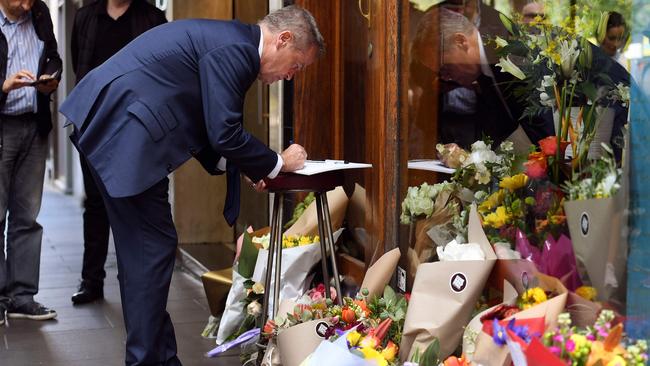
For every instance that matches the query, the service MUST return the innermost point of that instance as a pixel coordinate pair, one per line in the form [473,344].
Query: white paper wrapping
[234,312]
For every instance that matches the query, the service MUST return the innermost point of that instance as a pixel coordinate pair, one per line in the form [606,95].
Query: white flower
[258,288]
[569,53]
[547,82]
[508,66]
[500,42]
[545,100]
[263,240]
[481,154]
[460,252]
[254,309]
[503,251]
[507,146]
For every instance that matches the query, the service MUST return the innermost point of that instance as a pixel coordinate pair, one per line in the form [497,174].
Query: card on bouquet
[313,167]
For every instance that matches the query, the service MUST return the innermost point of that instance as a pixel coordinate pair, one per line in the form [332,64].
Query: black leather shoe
[86,295]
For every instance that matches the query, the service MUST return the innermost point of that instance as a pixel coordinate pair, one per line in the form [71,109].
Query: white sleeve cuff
[274,173]
[221,165]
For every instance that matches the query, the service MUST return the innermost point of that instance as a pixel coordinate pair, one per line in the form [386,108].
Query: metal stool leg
[330,234]
[323,243]
[278,258]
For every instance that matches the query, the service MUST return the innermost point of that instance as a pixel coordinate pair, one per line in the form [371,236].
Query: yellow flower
[579,340]
[353,338]
[532,297]
[494,200]
[498,218]
[258,288]
[304,240]
[373,355]
[389,352]
[587,292]
[617,361]
[513,183]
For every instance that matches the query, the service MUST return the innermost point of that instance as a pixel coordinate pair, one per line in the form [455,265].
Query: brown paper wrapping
[380,273]
[217,285]
[307,224]
[299,341]
[520,141]
[583,312]
[489,353]
[600,244]
[436,309]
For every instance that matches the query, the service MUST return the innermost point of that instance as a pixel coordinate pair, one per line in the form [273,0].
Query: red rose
[549,146]
[536,165]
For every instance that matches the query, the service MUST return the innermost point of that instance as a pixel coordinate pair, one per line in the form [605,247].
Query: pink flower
[555,350]
[548,146]
[570,346]
[536,165]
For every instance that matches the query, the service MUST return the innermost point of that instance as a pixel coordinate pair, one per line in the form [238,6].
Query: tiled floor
[93,334]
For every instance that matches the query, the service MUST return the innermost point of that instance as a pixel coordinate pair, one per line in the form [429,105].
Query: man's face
[532,10]
[461,60]
[283,60]
[17,7]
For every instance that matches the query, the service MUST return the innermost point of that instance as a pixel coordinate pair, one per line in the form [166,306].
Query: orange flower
[348,315]
[362,304]
[536,165]
[269,327]
[549,146]
[454,361]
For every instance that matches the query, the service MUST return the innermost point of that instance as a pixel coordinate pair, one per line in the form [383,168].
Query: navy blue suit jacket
[175,92]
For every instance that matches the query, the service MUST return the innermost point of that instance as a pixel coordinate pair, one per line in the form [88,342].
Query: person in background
[613,37]
[532,10]
[100,30]
[28,52]
[174,93]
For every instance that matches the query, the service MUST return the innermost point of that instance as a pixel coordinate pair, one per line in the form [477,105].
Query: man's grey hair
[300,23]
[451,23]
[438,25]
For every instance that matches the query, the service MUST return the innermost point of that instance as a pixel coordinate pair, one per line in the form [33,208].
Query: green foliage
[430,356]
[247,257]
[299,209]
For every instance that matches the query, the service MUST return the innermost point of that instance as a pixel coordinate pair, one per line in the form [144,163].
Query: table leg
[269,261]
[323,242]
[330,234]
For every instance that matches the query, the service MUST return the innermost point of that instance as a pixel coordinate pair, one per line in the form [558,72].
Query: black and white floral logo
[584,224]
[321,329]
[458,282]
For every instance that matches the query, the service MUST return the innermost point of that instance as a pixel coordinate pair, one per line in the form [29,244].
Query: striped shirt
[24,51]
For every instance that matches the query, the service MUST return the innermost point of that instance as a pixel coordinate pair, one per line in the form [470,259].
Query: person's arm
[225,74]
[53,62]
[74,43]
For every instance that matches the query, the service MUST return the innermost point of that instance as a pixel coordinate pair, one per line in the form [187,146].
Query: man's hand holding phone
[47,83]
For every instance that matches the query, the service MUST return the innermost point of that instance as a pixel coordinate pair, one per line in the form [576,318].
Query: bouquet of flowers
[557,69]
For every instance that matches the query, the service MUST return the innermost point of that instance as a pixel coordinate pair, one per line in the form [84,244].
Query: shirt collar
[485,66]
[260,48]
[20,20]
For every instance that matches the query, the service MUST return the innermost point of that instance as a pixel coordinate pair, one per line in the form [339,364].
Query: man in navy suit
[174,93]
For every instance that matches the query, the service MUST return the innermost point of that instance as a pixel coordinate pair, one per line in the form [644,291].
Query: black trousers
[145,245]
[96,232]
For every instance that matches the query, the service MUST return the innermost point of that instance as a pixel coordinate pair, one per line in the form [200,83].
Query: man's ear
[284,38]
[461,41]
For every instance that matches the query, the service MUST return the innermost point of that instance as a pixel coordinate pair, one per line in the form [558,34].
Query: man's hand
[294,158]
[18,80]
[259,186]
[48,86]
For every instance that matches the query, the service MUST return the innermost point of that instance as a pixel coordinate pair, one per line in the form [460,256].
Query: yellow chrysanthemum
[587,292]
[532,297]
[304,240]
[617,361]
[373,355]
[515,182]
[498,218]
[493,201]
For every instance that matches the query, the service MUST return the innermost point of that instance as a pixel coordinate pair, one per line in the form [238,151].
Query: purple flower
[498,333]
[520,330]
[555,350]
[570,345]
[558,338]
[591,337]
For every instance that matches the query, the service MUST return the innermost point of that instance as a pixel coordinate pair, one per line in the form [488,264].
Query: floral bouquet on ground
[372,327]
[595,213]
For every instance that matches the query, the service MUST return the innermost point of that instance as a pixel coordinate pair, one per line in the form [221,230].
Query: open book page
[320,166]
[431,165]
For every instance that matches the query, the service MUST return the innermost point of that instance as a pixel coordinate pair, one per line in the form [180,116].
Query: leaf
[389,296]
[589,90]
[248,257]
[431,356]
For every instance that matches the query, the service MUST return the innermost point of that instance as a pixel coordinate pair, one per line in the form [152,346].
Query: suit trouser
[145,245]
[22,169]
[96,232]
